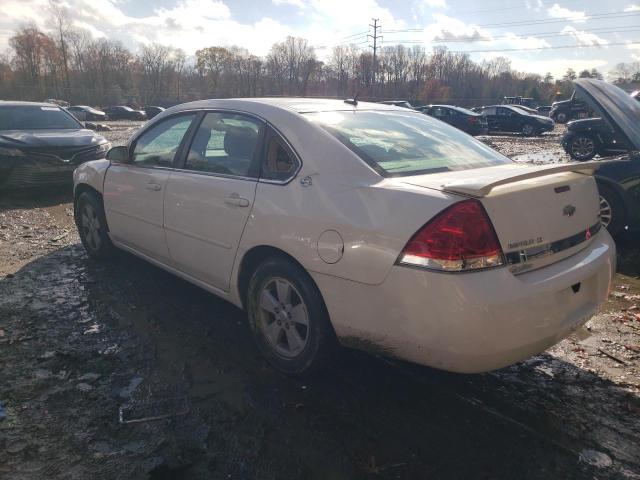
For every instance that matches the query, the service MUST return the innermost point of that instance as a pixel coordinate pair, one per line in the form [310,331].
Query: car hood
[614,105]
[50,138]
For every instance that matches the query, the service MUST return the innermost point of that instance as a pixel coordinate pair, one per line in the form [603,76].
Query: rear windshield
[20,117]
[401,144]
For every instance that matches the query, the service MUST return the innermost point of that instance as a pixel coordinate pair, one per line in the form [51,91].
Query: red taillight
[459,238]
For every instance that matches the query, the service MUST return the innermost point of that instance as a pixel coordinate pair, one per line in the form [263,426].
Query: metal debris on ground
[149,411]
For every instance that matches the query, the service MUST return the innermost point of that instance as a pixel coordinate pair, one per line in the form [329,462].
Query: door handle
[154,186]
[236,200]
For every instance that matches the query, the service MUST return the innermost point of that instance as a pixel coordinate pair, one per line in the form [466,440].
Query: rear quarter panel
[375,217]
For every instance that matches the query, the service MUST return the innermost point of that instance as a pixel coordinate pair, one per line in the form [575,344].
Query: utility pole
[375,37]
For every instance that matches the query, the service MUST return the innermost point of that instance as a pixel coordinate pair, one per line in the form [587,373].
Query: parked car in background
[398,103]
[41,144]
[288,208]
[461,118]
[152,110]
[525,101]
[508,118]
[544,110]
[85,113]
[567,110]
[122,112]
[617,130]
[530,111]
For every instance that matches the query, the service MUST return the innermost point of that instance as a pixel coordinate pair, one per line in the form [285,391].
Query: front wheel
[92,225]
[612,212]
[582,147]
[561,118]
[288,318]
[529,130]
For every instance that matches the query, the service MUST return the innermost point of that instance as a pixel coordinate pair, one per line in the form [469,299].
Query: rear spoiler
[477,187]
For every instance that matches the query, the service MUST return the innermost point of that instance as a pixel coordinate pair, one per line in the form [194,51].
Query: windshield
[402,144]
[33,117]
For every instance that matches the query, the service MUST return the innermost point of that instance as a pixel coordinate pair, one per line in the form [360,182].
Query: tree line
[65,62]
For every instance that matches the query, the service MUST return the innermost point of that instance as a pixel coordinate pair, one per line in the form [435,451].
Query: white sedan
[359,224]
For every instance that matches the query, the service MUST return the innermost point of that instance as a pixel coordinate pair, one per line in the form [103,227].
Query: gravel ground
[81,341]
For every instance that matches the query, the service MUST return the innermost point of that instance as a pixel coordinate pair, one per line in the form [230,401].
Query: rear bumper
[472,322]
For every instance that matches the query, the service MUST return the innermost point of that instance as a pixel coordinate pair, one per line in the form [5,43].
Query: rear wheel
[612,213]
[92,225]
[561,118]
[288,318]
[582,147]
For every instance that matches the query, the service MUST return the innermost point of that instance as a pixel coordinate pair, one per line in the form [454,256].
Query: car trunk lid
[541,214]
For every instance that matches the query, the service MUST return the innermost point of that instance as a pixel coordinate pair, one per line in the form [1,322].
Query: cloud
[632,8]
[449,29]
[557,11]
[293,3]
[434,3]
[582,37]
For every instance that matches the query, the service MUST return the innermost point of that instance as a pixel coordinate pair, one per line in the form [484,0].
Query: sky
[538,36]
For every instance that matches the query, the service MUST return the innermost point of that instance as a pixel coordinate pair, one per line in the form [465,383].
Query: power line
[557,47]
[595,16]
[524,35]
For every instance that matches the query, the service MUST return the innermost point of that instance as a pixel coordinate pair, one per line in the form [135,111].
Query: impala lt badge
[569,210]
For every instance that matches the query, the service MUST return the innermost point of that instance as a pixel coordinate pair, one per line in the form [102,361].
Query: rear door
[209,198]
[507,120]
[492,118]
[134,191]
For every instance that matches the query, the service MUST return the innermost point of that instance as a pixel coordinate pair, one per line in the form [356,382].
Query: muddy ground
[81,342]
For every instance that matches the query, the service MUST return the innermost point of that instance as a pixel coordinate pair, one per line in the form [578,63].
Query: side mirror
[119,154]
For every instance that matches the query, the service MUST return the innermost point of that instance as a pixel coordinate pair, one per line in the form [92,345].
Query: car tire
[288,318]
[529,130]
[582,147]
[561,118]
[92,225]
[612,211]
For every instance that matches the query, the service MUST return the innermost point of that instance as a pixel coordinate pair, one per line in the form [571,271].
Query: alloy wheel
[283,317]
[583,147]
[606,212]
[528,129]
[90,226]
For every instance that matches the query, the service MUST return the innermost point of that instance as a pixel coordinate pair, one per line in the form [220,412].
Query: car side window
[504,112]
[489,111]
[158,146]
[225,143]
[280,163]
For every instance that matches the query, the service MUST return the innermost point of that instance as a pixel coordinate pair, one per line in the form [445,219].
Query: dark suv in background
[567,110]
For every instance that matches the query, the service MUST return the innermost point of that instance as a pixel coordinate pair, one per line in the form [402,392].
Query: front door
[134,191]
[209,199]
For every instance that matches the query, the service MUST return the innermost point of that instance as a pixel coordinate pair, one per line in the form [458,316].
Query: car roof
[293,104]
[12,103]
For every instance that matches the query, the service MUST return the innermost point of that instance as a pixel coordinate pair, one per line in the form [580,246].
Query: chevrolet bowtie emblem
[569,210]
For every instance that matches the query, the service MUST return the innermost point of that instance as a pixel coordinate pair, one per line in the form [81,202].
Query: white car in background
[353,223]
